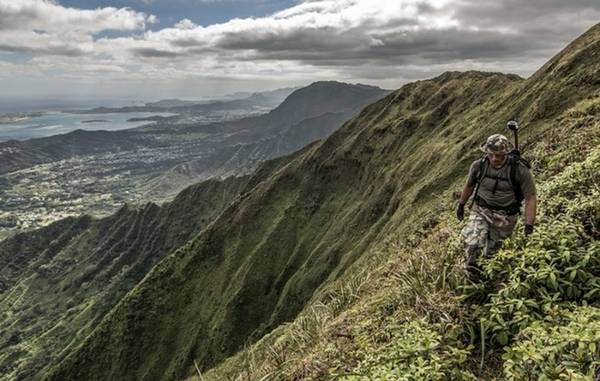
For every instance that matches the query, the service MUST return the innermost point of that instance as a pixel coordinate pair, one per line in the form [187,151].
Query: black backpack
[514,159]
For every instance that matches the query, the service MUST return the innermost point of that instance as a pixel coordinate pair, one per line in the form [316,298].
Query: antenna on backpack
[514,127]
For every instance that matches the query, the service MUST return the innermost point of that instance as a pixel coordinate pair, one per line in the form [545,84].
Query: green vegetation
[550,351]
[57,283]
[343,260]
[415,317]
[535,315]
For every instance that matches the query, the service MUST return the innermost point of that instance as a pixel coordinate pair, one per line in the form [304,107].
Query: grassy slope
[301,228]
[57,283]
[115,253]
[264,257]
[404,311]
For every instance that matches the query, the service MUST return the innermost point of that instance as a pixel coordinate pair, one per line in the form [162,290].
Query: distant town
[99,184]
[92,184]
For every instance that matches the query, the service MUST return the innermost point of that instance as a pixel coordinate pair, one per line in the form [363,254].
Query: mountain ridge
[317,254]
[311,216]
[381,321]
[152,164]
[308,114]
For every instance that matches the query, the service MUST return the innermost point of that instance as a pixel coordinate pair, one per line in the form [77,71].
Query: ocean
[57,122]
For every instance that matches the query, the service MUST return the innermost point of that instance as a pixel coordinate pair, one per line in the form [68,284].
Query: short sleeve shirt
[496,188]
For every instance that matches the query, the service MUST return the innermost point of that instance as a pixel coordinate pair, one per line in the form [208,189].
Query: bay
[56,122]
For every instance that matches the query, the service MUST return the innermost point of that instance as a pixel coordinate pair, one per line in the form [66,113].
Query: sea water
[58,122]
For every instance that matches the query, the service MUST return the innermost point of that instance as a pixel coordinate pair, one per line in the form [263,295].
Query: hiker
[501,180]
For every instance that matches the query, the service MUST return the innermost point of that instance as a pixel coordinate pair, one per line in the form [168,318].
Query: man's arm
[530,209]
[464,197]
[528,189]
[466,193]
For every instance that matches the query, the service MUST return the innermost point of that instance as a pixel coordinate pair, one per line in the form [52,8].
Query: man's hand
[460,211]
[528,229]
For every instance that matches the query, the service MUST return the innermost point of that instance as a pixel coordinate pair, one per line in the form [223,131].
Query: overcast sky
[149,49]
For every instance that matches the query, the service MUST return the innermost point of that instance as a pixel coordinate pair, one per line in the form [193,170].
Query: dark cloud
[187,42]
[324,39]
[309,40]
[525,14]
[501,32]
[55,50]
[13,20]
[547,22]
[153,53]
[399,48]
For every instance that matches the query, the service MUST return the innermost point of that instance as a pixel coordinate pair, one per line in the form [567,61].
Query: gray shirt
[496,188]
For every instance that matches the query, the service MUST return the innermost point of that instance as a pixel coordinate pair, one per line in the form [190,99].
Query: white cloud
[45,27]
[350,35]
[380,41]
[52,17]
[185,24]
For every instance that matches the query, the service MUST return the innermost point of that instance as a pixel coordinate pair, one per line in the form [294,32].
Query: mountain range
[35,151]
[114,253]
[95,172]
[372,198]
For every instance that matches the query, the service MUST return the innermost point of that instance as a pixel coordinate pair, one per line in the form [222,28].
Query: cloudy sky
[149,49]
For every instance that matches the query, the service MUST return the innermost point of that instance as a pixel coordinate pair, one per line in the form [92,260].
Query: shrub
[416,350]
[545,351]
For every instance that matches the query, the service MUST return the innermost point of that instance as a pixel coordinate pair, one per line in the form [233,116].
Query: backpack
[514,159]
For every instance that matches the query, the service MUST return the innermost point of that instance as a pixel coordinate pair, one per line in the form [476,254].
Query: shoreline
[11,118]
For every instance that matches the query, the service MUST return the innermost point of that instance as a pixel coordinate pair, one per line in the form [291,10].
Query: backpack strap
[515,161]
[481,172]
[514,168]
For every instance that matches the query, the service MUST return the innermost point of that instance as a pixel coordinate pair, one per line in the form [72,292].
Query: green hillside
[313,235]
[57,283]
[405,311]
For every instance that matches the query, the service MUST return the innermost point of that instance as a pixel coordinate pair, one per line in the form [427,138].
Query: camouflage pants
[485,231]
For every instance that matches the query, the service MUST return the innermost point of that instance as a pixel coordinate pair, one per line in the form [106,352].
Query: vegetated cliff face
[536,313]
[306,222]
[58,282]
[51,278]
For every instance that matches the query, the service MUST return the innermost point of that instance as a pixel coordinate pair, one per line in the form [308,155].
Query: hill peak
[472,74]
[581,55]
[325,97]
[324,84]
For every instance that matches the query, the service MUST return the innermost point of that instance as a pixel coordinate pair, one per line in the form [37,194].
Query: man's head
[497,148]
